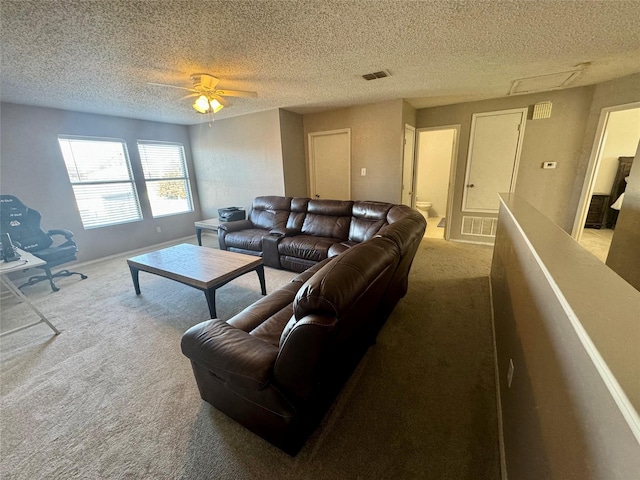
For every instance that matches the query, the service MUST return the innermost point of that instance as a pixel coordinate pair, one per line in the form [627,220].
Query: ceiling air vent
[376,75]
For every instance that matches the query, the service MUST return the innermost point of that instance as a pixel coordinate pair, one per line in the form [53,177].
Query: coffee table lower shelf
[206,269]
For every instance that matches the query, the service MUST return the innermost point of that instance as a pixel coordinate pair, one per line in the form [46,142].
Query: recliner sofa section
[277,366]
[296,233]
[245,236]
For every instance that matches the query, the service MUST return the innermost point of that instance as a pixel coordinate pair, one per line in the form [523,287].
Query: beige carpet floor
[112,396]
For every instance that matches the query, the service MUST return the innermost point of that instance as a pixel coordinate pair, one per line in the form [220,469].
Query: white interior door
[330,164]
[408,163]
[492,163]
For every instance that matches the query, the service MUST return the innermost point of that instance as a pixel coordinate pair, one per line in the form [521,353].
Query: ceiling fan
[209,98]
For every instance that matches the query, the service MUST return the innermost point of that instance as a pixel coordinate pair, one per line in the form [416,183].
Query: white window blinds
[100,174]
[166,177]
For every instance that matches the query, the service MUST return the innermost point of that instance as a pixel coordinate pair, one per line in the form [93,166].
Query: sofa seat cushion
[250,239]
[257,313]
[295,264]
[307,247]
[338,248]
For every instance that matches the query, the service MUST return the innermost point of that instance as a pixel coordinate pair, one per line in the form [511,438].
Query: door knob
[471,185]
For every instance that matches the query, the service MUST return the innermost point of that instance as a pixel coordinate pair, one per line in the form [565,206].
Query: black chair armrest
[235,226]
[231,354]
[284,232]
[68,235]
[60,231]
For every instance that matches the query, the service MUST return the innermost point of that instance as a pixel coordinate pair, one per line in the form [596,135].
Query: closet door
[492,163]
[330,164]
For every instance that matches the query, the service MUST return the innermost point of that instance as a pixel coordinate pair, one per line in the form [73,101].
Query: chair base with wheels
[50,276]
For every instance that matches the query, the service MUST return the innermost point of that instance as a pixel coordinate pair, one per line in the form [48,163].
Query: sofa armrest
[228,227]
[284,232]
[235,226]
[231,354]
[270,255]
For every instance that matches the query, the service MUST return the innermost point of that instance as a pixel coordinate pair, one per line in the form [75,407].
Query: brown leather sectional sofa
[296,233]
[277,366]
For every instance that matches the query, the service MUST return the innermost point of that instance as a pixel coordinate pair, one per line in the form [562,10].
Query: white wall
[623,134]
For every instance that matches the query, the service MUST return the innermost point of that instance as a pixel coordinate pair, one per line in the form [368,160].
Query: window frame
[150,180]
[130,181]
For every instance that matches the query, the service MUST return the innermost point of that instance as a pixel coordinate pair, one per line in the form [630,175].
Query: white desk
[27,260]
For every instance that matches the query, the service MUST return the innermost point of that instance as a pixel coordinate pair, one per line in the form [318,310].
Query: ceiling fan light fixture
[216,106]
[201,105]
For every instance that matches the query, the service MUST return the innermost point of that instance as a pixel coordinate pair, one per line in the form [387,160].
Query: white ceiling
[98,55]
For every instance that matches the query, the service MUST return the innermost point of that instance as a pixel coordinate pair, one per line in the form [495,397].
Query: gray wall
[32,169]
[377,135]
[293,161]
[409,114]
[567,138]
[624,253]
[608,94]
[237,159]
[557,139]
[570,327]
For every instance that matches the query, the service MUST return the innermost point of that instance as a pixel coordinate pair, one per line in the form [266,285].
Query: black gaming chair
[23,226]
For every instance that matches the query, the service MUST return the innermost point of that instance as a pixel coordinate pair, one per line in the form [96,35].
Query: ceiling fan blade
[223,102]
[171,86]
[236,93]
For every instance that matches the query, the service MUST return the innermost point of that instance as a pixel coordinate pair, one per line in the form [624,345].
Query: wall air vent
[376,75]
[481,226]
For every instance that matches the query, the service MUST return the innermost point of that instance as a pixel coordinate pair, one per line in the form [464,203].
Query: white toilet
[424,206]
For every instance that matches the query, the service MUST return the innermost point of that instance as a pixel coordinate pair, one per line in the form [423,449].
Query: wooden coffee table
[204,268]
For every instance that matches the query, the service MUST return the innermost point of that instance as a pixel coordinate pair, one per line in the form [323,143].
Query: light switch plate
[549,164]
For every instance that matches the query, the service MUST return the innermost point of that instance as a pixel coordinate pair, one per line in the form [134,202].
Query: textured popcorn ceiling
[97,56]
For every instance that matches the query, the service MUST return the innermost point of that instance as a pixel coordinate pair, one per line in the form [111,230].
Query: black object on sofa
[296,233]
[23,226]
[277,366]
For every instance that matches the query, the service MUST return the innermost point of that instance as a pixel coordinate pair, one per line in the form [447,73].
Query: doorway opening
[436,151]
[617,138]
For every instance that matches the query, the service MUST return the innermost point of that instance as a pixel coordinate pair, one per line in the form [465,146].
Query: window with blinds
[100,174]
[166,177]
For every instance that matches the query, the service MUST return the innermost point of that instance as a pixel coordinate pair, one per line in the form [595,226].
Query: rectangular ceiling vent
[376,75]
[544,83]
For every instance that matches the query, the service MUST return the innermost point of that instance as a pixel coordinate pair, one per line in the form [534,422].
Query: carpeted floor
[112,396]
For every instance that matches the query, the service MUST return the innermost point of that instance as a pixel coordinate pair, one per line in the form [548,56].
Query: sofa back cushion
[367,218]
[328,218]
[270,212]
[298,212]
[348,286]
[331,311]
